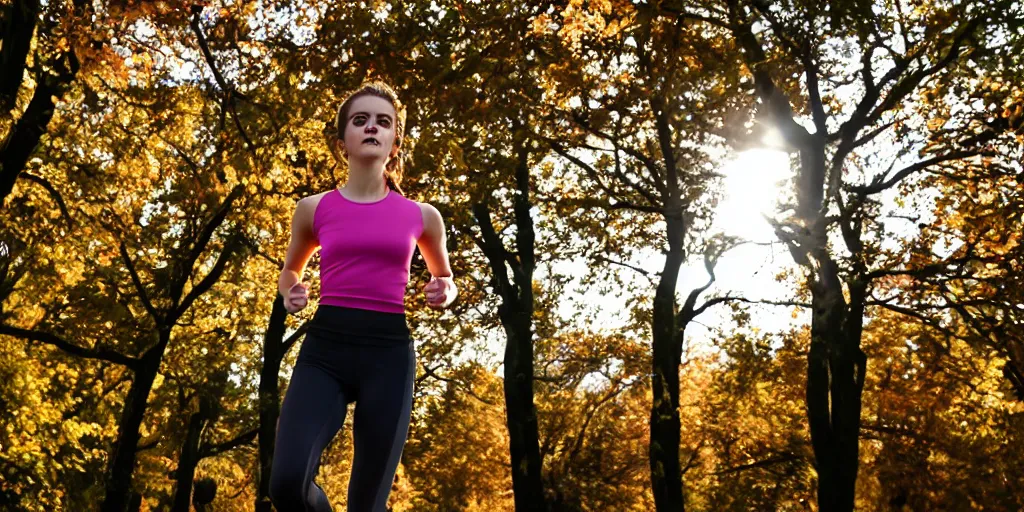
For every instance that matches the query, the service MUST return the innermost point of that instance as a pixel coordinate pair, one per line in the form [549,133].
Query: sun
[754,183]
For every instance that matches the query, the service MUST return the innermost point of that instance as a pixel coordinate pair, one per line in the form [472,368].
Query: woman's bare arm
[433,242]
[301,247]
[441,290]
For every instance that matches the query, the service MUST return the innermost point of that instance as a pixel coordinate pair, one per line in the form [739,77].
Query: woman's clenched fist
[297,297]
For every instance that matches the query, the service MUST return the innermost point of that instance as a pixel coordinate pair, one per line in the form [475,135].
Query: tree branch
[229,92]
[686,15]
[429,372]
[138,284]
[596,176]
[233,244]
[769,302]
[905,86]
[606,259]
[178,283]
[759,464]
[778,105]
[879,183]
[19,25]
[871,135]
[287,344]
[53,193]
[210,450]
[494,250]
[65,345]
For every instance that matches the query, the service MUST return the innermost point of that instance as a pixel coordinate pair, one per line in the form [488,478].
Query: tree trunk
[122,463]
[521,413]
[516,314]
[17,27]
[270,398]
[835,381]
[663,452]
[135,502]
[1013,373]
[1013,369]
[192,450]
[18,145]
[24,137]
[188,460]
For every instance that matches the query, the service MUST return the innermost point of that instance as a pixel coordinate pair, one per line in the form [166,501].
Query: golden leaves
[543,25]
[936,123]
[578,21]
[455,151]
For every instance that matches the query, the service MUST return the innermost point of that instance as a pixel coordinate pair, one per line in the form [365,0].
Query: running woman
[358,347]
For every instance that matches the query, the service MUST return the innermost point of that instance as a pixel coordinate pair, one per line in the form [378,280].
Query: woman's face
[370,129]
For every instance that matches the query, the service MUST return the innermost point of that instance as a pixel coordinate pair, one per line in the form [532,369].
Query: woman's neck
[365,183]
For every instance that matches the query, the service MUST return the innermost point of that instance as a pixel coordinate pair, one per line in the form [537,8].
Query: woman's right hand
[297,298]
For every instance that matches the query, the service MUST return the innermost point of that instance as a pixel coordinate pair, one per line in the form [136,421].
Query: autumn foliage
[153,152]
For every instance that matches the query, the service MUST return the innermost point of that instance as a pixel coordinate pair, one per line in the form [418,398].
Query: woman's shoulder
[315,198]
[426,208]
[307,206]
[310,202]
[432,221]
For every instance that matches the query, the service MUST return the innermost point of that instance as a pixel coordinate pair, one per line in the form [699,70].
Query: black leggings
[349,355]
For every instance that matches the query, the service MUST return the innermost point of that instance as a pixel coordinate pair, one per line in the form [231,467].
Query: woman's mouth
[371,140]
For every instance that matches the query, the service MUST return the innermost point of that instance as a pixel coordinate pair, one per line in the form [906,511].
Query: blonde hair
[394,170]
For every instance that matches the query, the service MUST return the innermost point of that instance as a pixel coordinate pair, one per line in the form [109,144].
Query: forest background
[725,255]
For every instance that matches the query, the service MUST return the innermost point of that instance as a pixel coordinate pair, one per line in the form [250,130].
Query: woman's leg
[312,413]
[381,425]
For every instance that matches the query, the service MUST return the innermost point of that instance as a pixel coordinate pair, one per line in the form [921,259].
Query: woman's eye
[359,121]
[385,123]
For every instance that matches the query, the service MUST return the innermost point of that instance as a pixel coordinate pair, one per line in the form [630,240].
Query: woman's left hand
[440,292]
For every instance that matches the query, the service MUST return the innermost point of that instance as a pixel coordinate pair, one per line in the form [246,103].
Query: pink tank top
[365,250]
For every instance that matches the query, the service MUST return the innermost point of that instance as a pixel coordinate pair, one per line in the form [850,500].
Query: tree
[57,63]
[458,457]
[895,54]
[144,234]
[635,70]
[755,438]
[165,291]
[592,404]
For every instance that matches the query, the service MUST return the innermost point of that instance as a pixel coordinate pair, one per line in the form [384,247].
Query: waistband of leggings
[362,326]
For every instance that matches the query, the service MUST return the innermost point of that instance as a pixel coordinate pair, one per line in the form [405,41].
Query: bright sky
[753,183]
